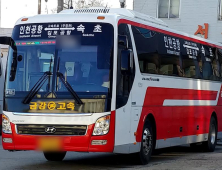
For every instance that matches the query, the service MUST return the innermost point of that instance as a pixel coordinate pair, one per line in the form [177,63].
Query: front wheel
[54,156]
[210,144]
[147,144]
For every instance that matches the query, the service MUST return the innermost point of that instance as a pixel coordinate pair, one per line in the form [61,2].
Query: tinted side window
[170,65]
[146,45]
[163,54]
[191,67]
[151,57]
[217,65]
[207,69]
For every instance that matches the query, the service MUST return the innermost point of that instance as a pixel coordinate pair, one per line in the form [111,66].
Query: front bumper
[69,143]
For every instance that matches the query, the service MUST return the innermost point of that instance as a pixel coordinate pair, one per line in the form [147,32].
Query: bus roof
[117,11]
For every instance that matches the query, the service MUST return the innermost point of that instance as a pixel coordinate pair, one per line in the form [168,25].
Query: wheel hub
[213,134]
[147,141]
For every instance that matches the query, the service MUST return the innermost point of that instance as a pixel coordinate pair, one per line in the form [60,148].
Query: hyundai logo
[50,130]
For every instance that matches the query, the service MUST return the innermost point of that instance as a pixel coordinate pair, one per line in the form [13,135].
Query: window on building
[220,10]
[168,8]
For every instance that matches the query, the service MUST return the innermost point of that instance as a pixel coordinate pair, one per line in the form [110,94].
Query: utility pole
[60,5]
[71,7]
[122,3]
[39,6]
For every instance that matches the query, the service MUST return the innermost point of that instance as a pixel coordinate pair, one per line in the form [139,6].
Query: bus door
[125,77]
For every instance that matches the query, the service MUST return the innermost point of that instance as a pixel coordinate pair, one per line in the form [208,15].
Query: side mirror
[5,40]
[8,41]
[126,61]
[123,41]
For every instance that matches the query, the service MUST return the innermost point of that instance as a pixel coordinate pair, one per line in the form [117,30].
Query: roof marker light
[100,17]
[24,19]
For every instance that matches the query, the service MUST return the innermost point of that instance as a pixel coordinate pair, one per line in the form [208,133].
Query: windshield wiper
[69,87]
[49,77]
[39,84]
[37,87]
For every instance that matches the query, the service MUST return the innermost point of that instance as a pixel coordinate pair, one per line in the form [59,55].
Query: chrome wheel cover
[213,134]
[147,141]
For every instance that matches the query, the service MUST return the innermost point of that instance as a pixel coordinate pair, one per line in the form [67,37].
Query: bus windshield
[81,52]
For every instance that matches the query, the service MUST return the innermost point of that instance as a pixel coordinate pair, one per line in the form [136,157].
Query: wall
[192,14]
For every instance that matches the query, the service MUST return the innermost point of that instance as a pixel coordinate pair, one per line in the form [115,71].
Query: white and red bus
[109,80]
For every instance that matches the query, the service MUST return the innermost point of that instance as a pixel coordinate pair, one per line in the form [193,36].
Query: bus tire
[54,156]
[147,142]
[210,144]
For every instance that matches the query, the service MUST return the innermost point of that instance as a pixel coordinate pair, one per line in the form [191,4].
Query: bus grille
[75,130]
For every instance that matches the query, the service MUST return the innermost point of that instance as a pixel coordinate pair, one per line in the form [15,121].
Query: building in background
[4,48]
[197,17]
[4,32]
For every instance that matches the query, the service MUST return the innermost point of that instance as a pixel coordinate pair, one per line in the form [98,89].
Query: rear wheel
[210,144]
[54,156]
[147,144]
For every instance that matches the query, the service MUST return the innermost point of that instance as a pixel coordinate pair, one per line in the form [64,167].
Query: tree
[78,4]
[54,10]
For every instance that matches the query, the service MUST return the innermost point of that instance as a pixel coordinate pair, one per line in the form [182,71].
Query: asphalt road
[166,159]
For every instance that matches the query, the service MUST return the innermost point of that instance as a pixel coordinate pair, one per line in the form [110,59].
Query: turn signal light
[7,140]
[99,142]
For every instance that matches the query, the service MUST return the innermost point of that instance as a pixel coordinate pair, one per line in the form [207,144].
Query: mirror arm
[12,44]
[8,41]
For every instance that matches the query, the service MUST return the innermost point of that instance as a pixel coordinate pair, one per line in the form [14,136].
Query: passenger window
[207,69]
[204,63]
[216,70]
[149,63]
[170,65]
[191,68]
[147,49]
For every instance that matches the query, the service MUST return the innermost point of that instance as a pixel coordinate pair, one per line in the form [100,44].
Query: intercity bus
[109,80]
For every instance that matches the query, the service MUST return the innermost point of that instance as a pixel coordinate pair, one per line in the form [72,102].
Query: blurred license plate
[49,144]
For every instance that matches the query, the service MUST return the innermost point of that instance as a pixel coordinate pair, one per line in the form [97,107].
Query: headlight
[102,126]
[6,126]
